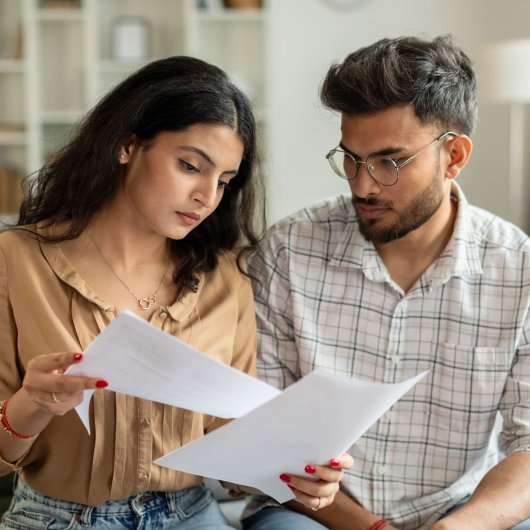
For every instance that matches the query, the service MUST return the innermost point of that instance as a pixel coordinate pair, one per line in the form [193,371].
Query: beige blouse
[46,307]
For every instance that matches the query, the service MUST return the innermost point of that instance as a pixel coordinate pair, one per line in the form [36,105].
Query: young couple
[150,208]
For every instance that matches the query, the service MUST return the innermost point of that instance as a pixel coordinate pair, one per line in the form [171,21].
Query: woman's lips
[188,218]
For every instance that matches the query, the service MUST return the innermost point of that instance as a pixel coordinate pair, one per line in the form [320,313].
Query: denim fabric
[523,525]
[276,518]
[188,509]
[272,518]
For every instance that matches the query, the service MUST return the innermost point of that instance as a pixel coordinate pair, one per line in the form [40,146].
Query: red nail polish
[285,477]
[334,463]
[78,356]
[309,469]
[102,384]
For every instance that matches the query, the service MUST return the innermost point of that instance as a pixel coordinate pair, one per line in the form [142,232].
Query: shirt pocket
[466,386]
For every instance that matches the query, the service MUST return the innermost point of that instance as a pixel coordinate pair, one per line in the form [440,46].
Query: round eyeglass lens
[343,164]
[383,169]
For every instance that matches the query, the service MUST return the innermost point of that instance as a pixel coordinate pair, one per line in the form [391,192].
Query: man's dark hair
[434,76]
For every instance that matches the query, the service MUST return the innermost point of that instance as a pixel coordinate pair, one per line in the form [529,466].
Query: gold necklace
[144,303]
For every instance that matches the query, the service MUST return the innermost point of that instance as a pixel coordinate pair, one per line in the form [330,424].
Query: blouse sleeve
[244,349]
[10,377]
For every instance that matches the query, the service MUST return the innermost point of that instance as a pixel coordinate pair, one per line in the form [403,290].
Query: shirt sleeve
[277,355]
[515,401]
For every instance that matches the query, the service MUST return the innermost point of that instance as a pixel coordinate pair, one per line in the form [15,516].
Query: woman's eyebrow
[199,152]
[207,157]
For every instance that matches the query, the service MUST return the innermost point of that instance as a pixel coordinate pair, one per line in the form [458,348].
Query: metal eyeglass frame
[397,167]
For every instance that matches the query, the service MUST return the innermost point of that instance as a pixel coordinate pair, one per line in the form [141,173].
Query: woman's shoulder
[18,237]
[229,268]
[227,264]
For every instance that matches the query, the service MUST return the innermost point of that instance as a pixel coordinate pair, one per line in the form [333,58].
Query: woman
[141,211]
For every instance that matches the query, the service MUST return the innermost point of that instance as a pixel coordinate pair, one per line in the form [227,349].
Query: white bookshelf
[66,63]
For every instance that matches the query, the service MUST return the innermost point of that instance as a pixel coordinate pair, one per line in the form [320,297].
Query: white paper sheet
[140,360]
[312,421]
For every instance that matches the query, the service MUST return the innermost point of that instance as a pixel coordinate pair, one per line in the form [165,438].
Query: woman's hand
[46,392]
[316,494]
[50,389]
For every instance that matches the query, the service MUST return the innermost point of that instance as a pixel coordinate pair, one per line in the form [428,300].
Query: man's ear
[458,151]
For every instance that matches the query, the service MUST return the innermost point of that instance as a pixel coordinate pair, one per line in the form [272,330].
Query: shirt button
[163,313]
[380,469]
[146,422]
[396,358]
[143,475]
[389,415]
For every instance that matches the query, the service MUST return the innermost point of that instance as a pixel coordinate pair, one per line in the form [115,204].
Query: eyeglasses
[382,169]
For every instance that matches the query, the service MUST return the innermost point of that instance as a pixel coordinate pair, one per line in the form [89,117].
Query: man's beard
[420,209]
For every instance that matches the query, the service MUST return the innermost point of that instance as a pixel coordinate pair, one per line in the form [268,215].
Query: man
[402,276]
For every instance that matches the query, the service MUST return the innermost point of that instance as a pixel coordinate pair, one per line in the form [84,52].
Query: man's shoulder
[490,231]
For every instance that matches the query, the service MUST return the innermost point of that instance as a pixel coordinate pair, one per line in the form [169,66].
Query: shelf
[49,14]
[108,66]
[64,63]
[61,117]
[12,66]
[16,138]
[231,15]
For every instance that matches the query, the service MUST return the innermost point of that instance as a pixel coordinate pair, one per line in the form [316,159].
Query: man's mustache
[372,201]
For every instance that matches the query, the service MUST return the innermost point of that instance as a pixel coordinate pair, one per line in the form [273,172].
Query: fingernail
[309,469]
[102,384]
[334,463]
[78,356]
[285,477]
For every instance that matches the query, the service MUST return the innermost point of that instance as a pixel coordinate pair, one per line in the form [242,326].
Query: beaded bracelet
[379,524]
[7,428]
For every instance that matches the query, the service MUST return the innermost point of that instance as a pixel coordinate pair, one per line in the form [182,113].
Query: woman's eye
[188,167]
[223,185]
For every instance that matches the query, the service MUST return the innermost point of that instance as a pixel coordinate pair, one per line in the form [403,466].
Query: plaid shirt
[325,300]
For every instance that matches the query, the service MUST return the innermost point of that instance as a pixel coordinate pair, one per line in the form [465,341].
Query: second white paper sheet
[312,421]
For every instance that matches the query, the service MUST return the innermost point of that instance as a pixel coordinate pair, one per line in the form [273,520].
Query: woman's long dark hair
[166,95]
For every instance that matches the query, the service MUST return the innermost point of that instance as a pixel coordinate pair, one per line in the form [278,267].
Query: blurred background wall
[307,36]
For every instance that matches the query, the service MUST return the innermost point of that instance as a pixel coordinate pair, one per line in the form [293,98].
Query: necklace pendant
[147,303]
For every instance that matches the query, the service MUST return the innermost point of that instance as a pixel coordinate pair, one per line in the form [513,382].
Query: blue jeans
[277,518]
[187,509]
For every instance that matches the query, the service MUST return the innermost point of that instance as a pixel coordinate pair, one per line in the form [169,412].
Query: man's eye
[187,166]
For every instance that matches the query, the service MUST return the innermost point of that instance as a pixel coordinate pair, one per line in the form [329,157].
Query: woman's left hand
[316,494]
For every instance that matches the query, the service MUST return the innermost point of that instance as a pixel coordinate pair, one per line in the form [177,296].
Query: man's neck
[409,257]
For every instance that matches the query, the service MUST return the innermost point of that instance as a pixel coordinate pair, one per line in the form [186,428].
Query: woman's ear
[123,158]
[459,151]
[126,149]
